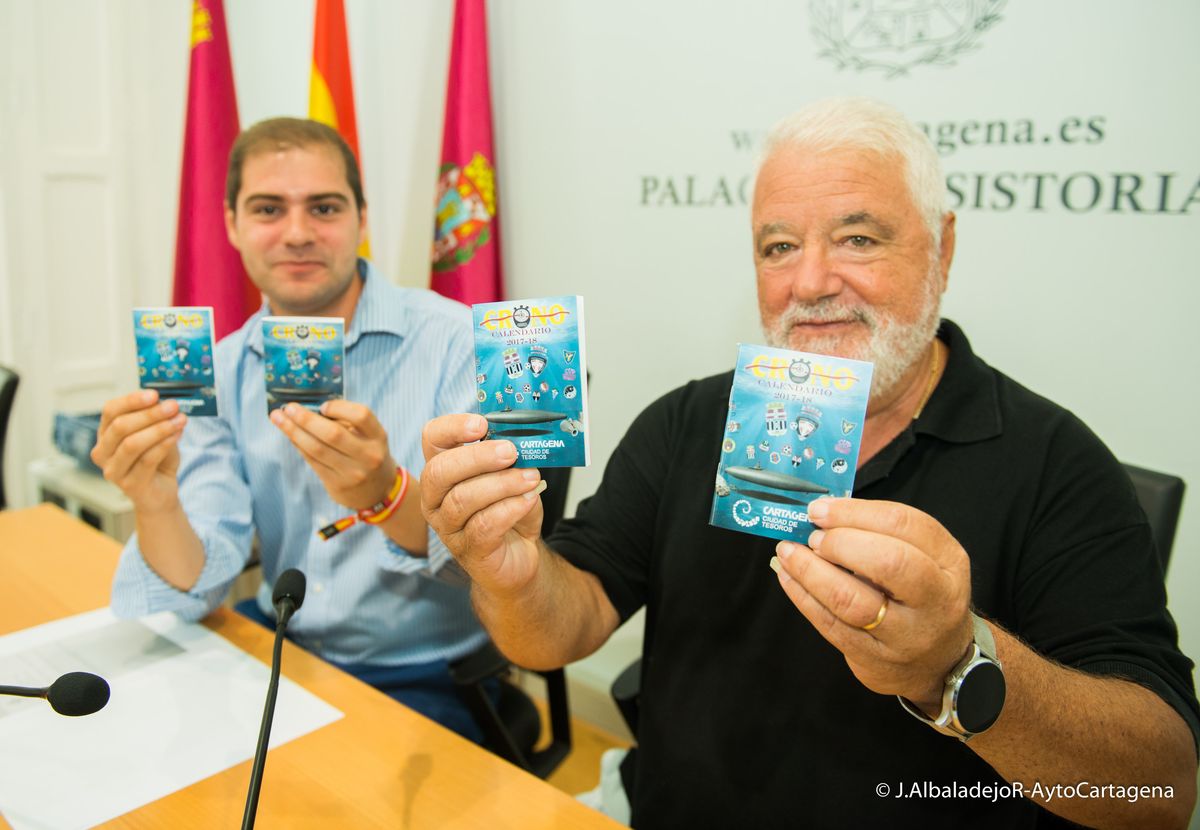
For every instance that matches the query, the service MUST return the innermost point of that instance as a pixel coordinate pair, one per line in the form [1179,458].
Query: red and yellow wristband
[378,513]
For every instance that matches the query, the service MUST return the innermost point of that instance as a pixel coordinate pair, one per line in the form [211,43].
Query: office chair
[511,725]
[1161,496]
[625,690]
[8,392]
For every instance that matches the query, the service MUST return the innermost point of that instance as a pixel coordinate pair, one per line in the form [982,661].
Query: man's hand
[346,447]
[866,553]
[137,448]
[487,512]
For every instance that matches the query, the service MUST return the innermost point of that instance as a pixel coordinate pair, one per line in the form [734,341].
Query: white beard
[894,347]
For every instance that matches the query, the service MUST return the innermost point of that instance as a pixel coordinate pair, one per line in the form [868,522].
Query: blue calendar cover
[175,356]
[531,373]
[792,435]
[303,359]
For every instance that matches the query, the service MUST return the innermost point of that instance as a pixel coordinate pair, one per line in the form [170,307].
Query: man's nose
[815,275]
[297,228]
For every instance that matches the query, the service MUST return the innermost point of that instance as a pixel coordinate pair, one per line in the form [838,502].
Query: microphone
[288,595]
[287,598]
[74,694]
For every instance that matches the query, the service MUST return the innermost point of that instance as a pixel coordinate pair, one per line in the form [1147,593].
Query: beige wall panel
[73,77]
[80,283]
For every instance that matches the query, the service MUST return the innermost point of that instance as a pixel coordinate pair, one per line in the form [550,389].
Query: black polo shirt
[750,719]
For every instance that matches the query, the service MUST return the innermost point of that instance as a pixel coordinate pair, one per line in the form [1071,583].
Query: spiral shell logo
[895,35]
[742,506]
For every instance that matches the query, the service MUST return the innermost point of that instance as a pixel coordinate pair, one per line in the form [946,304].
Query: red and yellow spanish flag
[208,270]
[331,90]
[466,237]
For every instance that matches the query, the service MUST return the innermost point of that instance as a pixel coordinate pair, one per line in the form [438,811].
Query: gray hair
[872,126]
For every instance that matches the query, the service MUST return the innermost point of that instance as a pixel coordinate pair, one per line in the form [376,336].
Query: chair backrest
[626,692]
[8,392]
[1161,496]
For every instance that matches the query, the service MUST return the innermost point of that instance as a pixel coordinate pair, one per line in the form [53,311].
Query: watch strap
[982,649]
[984,638]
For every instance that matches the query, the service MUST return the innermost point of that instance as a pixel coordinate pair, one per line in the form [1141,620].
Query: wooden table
[382,765]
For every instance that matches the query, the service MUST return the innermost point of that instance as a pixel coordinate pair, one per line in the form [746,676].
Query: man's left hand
[890,588]
[346,446]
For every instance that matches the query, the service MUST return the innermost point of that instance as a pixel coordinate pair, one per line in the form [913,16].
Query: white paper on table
[186,703]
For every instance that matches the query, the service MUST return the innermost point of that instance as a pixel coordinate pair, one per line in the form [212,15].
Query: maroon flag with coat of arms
[208,270]
[466,239]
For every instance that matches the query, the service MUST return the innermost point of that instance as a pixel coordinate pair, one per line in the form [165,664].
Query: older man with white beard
[992,580]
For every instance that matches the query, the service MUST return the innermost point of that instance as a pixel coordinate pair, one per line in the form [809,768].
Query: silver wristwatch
[974,694]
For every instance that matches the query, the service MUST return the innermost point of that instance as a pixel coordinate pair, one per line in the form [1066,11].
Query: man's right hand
[137,447]
[486,511]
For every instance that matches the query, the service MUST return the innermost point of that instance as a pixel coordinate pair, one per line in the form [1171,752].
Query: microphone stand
[264,733]
[287,597]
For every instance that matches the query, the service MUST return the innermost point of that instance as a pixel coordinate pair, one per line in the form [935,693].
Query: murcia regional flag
[466,238]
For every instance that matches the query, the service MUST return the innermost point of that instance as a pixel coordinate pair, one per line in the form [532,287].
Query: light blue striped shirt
[409,357]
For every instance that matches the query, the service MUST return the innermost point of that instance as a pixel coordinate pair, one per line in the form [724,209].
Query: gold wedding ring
[878,617]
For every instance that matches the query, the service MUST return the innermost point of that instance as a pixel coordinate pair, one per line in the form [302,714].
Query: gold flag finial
[201,24]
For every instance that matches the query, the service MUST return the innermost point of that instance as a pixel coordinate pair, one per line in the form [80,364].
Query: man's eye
[777,248]
[267,210]
[325,210]
[858,241]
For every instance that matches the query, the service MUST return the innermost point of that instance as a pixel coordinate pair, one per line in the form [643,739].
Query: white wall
[66,185]
[597,102]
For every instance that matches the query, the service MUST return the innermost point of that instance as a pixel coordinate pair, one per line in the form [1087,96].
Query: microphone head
[290,585]
[78,693]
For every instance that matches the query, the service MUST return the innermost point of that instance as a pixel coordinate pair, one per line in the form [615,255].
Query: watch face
[980,697]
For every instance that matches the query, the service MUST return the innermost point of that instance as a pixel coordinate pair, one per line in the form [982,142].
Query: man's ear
[230,224]
[946,254]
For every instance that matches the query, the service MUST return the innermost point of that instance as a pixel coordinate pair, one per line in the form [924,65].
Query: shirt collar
[372,314]
[965,405]
[964,408]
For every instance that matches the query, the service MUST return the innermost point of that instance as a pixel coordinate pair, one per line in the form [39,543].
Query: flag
[330,88]
[208,270]
[466,237]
